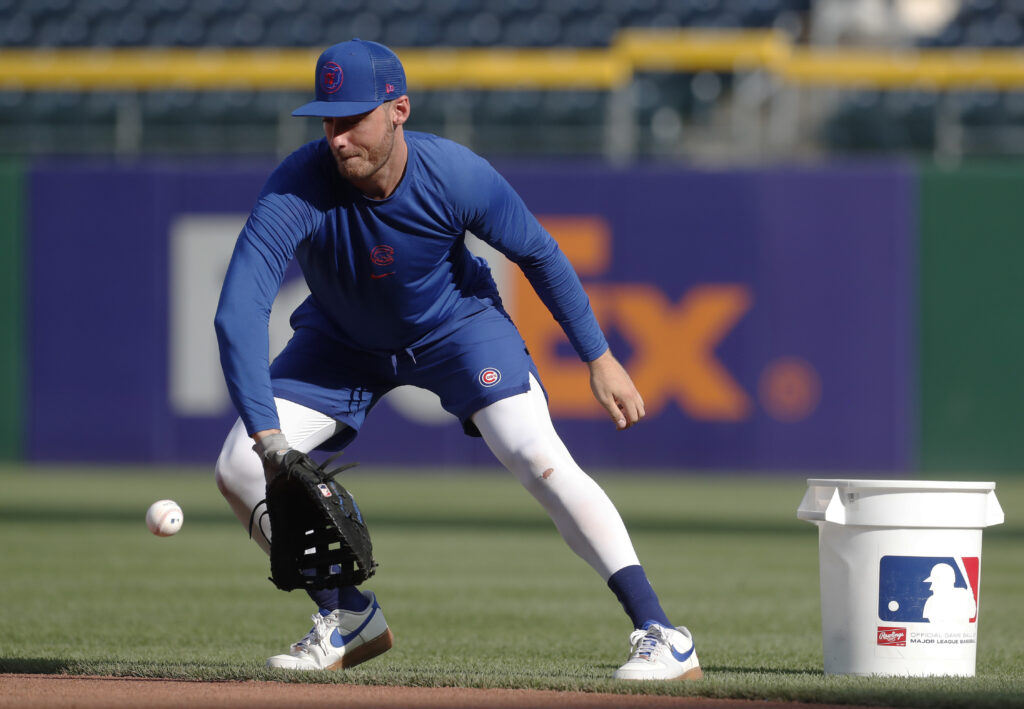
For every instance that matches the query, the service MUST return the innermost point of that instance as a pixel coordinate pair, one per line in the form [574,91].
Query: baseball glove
[318,538]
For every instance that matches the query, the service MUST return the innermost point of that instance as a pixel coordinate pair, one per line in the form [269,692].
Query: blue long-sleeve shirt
[384,275]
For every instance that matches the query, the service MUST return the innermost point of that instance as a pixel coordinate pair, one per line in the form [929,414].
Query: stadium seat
[541,30]
[303,29]
[530,23]
[1013,106]
[53,106]
[12,106]
[1006,30]
[165,7]
[18,31]
[245,30]
[120,31]
[187,30]
[979,108]
[756,13]
[590,31]
[865,120]
[912,115]
[411,31]
[101,106]
[168,106]
[860,124]
[365,25]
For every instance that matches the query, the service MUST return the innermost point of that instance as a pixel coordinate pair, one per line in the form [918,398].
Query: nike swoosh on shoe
[339,640]
[680,656]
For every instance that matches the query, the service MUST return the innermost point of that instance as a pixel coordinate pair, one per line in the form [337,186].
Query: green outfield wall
[972,319]
[12,268]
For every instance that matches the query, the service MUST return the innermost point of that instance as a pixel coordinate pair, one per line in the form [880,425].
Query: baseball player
[376,217]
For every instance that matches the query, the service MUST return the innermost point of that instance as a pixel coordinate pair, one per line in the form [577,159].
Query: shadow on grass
[124,668]
[33,665]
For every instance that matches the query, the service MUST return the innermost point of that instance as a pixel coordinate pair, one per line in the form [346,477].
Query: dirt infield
[60,691]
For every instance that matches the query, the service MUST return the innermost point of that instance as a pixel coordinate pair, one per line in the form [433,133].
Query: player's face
[361,144]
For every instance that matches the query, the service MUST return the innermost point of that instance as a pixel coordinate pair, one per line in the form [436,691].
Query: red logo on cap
[331,77]
[389,88]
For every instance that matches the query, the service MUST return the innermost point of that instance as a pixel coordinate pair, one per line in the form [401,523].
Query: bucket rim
[922,485]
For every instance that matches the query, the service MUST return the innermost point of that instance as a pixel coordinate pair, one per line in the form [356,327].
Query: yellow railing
[633,51]
[745,50]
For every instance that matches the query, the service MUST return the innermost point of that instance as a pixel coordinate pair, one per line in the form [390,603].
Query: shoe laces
[645,643]
[316,634]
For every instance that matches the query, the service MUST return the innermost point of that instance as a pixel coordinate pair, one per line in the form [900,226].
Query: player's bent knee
[224,477]
[530,461]
[237,465]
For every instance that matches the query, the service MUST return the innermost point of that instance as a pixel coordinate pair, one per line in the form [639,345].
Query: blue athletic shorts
[480,362]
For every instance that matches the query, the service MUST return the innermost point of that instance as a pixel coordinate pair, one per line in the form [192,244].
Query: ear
[400,111]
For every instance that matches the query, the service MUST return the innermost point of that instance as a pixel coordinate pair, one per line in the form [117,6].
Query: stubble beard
[365,166]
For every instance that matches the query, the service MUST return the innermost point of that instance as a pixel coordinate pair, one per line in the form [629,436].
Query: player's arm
[559,288]
[503,220]
[261,256]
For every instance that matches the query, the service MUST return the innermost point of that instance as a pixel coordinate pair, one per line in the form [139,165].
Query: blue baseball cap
[354,77]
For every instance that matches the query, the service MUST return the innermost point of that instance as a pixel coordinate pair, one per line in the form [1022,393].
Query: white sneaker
[657,652]
[339,639]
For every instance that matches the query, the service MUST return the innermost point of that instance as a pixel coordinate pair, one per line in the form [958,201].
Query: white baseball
[164,518]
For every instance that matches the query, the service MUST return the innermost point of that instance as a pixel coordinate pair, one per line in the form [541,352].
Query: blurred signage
[765,316]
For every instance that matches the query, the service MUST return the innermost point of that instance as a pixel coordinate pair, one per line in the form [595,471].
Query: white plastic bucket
[900,564]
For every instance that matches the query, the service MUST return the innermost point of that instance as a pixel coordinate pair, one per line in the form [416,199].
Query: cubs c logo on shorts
[489,377]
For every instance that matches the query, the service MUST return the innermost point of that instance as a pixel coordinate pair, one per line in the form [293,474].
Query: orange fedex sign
[673,343]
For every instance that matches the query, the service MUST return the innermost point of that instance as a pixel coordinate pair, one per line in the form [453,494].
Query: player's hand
[270,445]
[615,391]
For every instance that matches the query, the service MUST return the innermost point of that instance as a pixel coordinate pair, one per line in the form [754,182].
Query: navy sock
[351,598]
[347,598]
[637,596]
[325,598]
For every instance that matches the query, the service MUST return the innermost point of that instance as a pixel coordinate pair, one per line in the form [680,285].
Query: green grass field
[477,586]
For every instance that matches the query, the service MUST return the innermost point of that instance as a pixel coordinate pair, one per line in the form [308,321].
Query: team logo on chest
[382,255]
[489,377]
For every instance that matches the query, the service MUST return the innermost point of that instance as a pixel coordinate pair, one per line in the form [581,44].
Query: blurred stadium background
[798,219]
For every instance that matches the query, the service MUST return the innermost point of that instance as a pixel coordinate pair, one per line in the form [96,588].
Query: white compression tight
[239,470]
[519,432]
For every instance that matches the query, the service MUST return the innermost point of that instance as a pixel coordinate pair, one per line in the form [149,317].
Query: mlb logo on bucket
[895,637]
[928,589]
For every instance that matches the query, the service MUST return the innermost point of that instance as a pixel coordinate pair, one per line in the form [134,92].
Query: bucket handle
[815,507]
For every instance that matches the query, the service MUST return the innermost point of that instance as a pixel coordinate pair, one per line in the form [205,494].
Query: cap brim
[335,109]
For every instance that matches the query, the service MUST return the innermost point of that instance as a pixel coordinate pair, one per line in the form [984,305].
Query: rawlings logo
[331,77]
[896,637]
